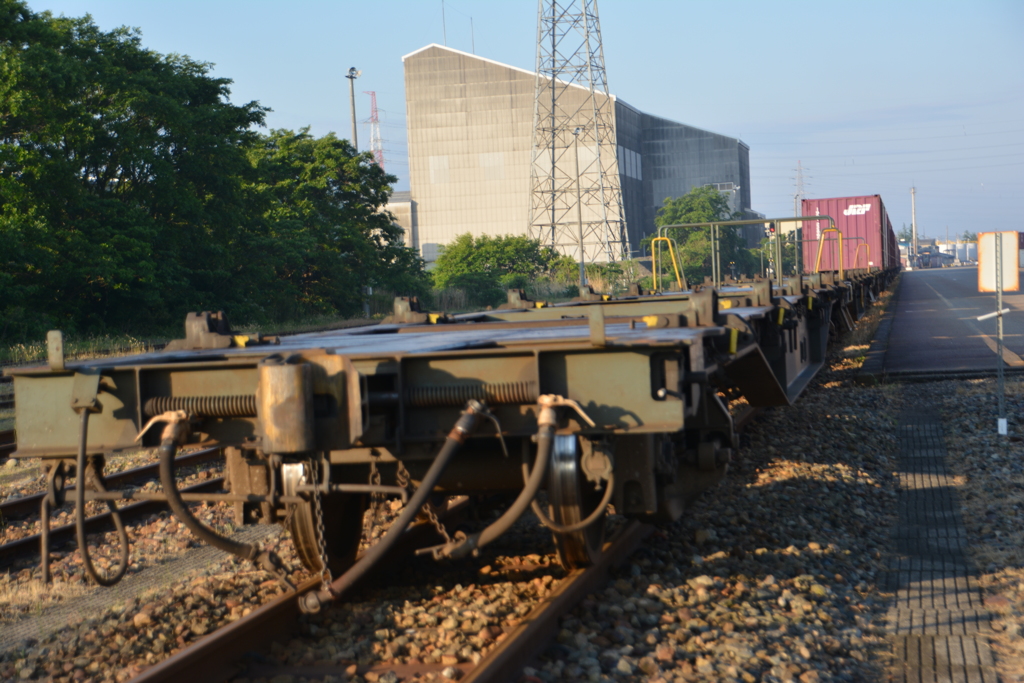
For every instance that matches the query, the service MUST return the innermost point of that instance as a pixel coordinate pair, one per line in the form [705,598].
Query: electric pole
[913,226]
[798,232]
[353,74]
[799,188]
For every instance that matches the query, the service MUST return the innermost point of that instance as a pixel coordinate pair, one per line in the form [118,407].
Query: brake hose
[122,534]
[314,600]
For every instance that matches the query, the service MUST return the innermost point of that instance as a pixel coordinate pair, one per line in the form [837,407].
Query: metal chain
[325,572]
[428,507]
[372,521]
[403,478]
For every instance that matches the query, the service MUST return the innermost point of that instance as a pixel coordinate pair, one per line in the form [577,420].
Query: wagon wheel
[572,499]
[343,528]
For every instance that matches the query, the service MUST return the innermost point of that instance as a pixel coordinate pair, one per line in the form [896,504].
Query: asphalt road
[935,328]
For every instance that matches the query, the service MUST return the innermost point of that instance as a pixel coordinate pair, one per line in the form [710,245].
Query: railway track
[19,507]
[28,546]
[278,624]
[218,656]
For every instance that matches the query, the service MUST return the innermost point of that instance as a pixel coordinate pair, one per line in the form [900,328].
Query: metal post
[798,251]
[353,74]
[714,255]
[579,208]
[913,227]
[779,269]
[1001,389]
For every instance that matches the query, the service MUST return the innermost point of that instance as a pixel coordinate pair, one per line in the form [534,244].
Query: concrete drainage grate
[938,623]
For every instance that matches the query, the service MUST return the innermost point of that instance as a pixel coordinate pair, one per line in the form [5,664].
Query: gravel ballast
[770,576]
[775,575]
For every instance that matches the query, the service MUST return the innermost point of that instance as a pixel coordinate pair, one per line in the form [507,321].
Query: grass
[854,345]
[18,599]
[84,347]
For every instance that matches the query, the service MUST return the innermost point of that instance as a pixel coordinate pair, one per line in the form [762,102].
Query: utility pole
[798,232]
[799,187]
[913,226]
[579,209]
[353,74]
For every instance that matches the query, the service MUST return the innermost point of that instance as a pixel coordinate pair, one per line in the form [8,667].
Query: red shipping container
[868,237]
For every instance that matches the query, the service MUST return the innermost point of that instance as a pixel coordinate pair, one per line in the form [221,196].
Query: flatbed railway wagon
[868,237]
[619,400]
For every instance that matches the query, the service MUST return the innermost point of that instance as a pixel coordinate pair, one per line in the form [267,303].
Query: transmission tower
[799,194]
[376,143]
[574,127]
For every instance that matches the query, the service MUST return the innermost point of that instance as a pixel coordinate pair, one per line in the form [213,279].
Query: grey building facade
[470,131]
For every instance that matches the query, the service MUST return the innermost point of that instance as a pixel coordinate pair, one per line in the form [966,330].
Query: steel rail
[524,642]
[215,657]
[532,635]
[30,504]
[29,545]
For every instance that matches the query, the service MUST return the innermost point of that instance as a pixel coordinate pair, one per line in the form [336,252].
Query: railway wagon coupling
[620,400]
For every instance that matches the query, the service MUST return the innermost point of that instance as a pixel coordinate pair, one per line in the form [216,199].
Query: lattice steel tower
[376,142]
[574,126]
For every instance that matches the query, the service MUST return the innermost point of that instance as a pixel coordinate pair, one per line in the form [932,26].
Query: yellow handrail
[821,243]
[856,255]
[675,263]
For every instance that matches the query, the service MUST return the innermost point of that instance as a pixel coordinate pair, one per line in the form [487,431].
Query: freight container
[868,238]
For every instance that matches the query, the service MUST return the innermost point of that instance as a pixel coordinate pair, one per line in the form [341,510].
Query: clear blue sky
[871,97]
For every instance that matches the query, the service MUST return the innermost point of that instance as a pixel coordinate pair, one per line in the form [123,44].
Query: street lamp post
[353,74]
[579,207]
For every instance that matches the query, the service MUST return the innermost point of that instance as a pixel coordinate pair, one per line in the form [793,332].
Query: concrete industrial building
[470,127]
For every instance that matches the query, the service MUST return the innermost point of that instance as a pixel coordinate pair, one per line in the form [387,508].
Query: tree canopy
[702,205]
[132,191]
[319,233]
[487,266]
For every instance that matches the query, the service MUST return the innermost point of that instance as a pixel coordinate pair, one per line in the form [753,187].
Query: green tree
[905,234]
[322,232]
[133,191]
[969,236]
[702,205]
[119,175]
[488,265]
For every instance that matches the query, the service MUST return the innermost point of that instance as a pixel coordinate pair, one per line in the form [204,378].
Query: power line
[922,170]
[785,155]
[859,142]
[916,161]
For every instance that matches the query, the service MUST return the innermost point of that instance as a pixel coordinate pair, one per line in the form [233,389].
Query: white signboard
[987,261]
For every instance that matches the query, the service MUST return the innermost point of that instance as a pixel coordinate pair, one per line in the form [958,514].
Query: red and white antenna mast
[376,143]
